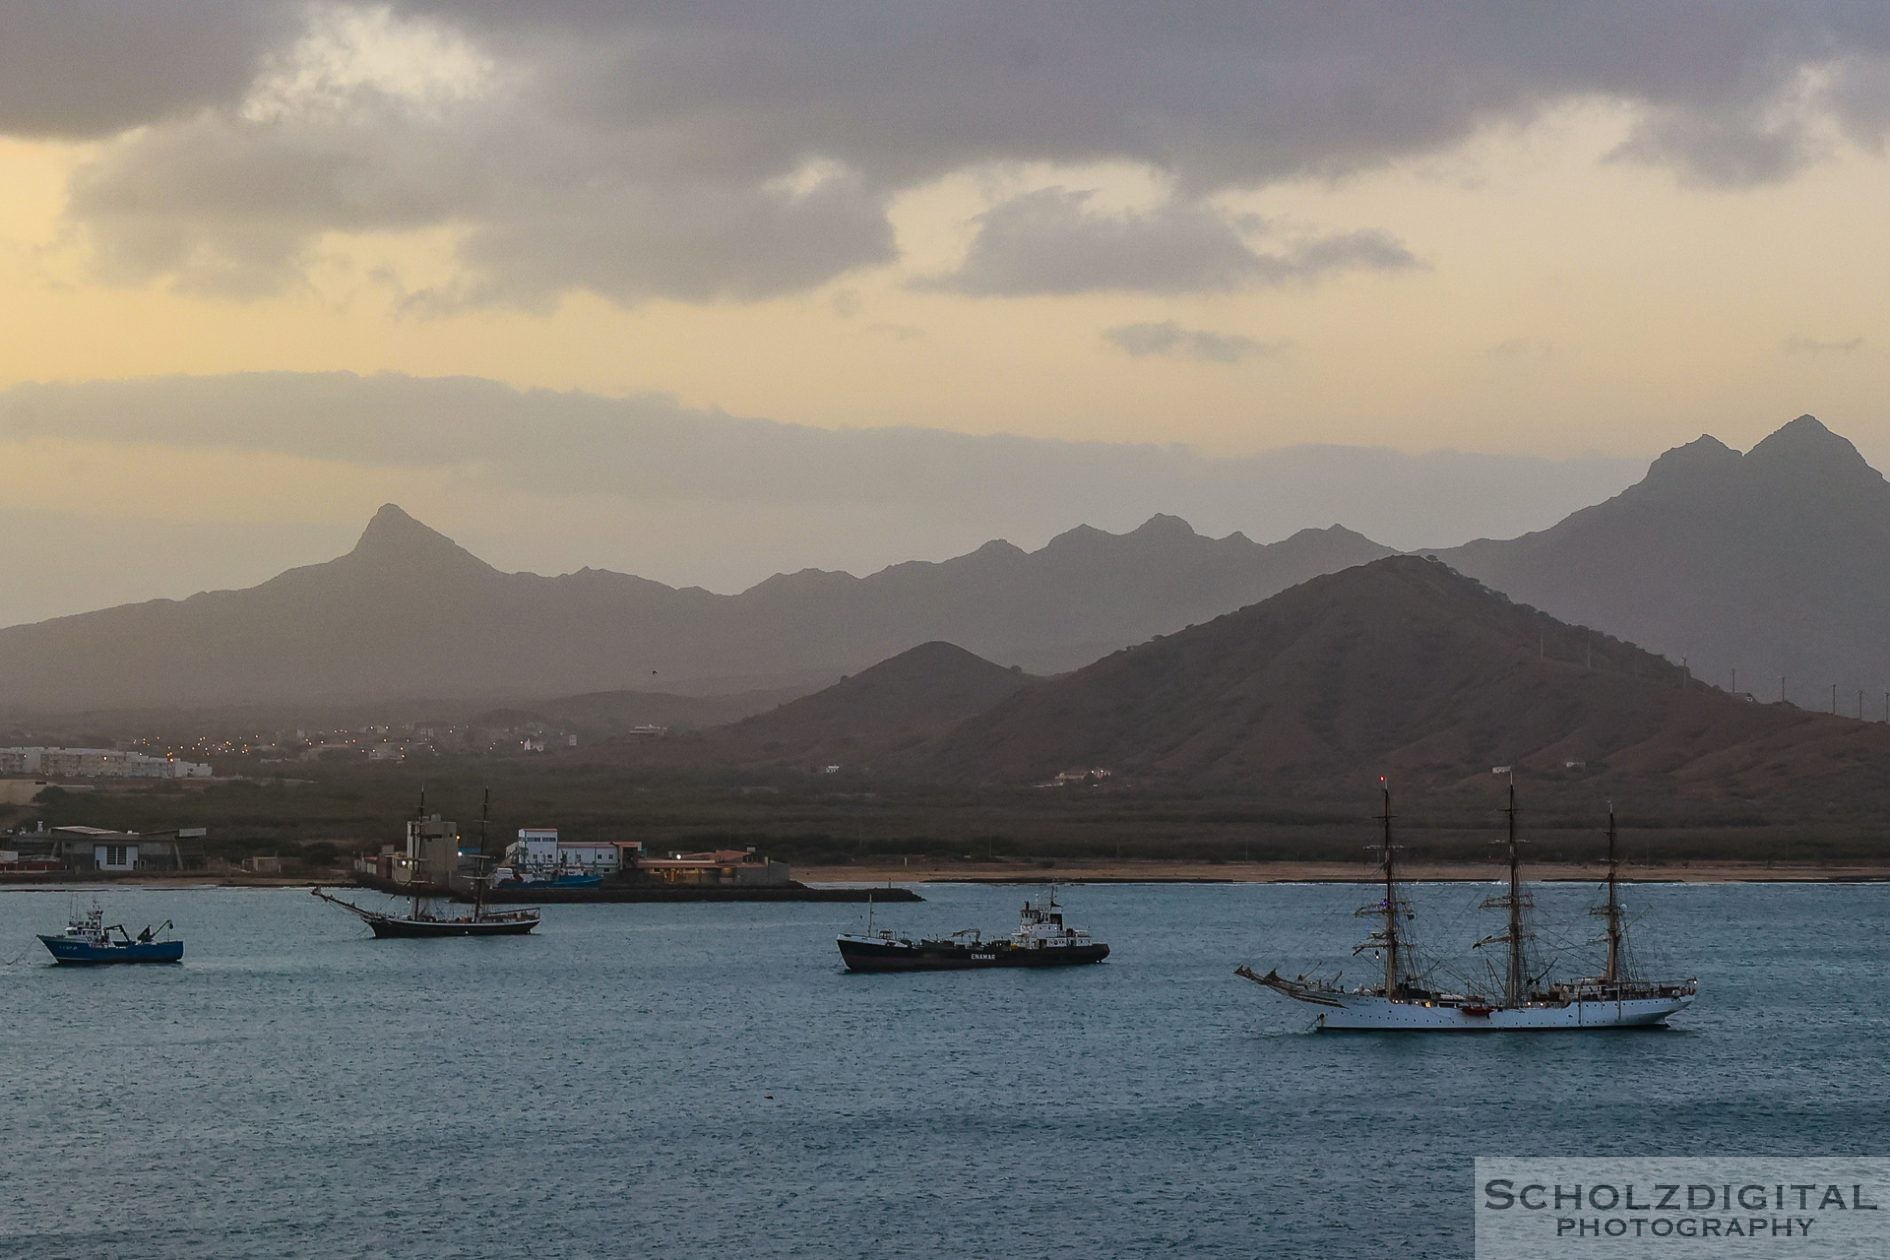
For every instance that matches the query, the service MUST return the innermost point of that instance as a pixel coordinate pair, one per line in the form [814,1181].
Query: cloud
[736,150]
[1796,344]
[1349,251]
[1051,241]
[725,499]
[1171,340]
[1731,150]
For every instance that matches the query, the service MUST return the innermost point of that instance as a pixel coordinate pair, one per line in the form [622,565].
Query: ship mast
[1393,946]
[1611,975]
[416,858]
[1516,973]
[1516,983]
[1387,938]
[479,864]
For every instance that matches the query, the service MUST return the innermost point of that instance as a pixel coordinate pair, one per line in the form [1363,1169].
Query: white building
[96,763]
[538,851]
[535,849]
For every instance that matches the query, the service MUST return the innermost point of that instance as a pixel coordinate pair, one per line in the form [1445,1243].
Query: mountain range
[1761,572]
[1767,565]
[408,612]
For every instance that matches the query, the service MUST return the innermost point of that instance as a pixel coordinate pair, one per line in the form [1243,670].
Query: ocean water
[706,1081]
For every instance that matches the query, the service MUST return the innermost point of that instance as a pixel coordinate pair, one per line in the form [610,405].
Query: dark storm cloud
[73,69]
[1171,340]
[740,148]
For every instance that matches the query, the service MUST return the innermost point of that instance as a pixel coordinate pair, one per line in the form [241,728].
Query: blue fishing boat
[88,941]
[562,879]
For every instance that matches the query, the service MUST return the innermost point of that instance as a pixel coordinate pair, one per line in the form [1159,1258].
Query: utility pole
[1834,698]
[1735,685]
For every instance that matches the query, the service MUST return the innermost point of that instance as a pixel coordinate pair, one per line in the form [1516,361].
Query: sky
[707,291]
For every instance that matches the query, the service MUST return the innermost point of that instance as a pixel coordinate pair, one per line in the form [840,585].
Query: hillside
[1407,668]
[409,613]
[917,695]
[1769,563]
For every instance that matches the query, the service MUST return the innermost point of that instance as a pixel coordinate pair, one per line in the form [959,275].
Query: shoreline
[1129,871]
[1136,871]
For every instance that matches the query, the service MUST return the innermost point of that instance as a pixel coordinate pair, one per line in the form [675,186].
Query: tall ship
[88,941]
[429,912]
[1042,939]
[1405,1000]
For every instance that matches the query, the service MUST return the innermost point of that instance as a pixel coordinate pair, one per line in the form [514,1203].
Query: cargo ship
[1042,939]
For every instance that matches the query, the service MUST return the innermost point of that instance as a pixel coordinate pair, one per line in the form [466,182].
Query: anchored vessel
[1042,939]
[1404,1000]
[87,940]
[430,915]
[424,920]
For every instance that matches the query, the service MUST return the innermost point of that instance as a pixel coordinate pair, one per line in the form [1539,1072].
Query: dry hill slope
[1404,666]
[919,694]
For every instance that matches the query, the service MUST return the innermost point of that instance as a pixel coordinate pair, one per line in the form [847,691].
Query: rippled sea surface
[706,1081]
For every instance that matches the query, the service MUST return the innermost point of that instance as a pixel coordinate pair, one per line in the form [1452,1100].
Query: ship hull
[80,953]
[412,929]
[927,956]
[1363,1013]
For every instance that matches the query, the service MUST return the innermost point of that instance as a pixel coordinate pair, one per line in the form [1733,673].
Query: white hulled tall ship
[1405,1000]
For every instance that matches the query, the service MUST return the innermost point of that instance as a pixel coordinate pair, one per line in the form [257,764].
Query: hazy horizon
[1204,245]
[549,483]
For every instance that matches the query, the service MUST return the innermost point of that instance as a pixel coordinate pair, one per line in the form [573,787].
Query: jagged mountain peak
[1703,452]
[393,537]
[1807,443]
[1162,527]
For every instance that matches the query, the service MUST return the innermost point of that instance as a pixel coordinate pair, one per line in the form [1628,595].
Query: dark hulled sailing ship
[430,914]
[1404,1000]
[1042,939]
